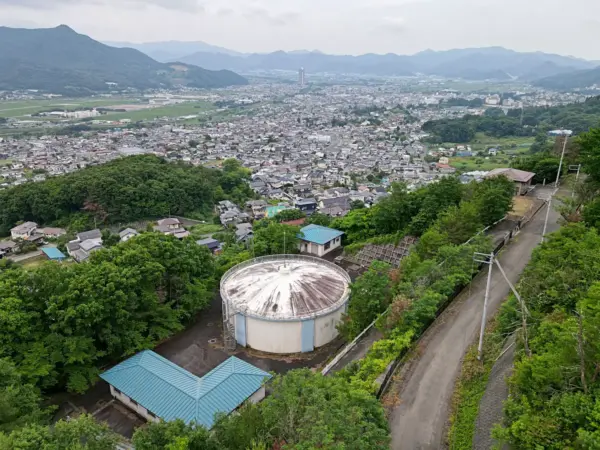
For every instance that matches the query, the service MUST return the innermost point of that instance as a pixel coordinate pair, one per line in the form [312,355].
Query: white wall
[319,250]
[139,409]
[325,327]
[258,395]
[273,337]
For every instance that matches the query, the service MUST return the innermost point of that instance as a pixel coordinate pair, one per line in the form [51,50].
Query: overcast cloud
[333,26]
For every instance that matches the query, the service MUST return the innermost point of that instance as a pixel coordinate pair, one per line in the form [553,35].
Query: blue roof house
[54,254]
[318,240]
[156,389]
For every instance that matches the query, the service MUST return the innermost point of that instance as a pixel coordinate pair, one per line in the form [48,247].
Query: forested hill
[579,117]
[62,61]
[574,80]
[123,190]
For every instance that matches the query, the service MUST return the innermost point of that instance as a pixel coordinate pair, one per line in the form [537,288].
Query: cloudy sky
[570,27]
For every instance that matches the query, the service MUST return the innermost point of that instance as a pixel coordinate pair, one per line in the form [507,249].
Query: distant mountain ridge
[65,62]
[169,51]
[572,80]
[474,63]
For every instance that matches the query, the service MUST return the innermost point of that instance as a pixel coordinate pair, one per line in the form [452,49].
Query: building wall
[258,395]
[325,327]
[139,409]
[273,337]
[319,250]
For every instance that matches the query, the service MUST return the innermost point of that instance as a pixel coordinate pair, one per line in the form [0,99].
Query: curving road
[419,418]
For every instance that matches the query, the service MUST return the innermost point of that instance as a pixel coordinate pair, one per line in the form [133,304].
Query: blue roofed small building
[318,240]
[54,254]
[155,388]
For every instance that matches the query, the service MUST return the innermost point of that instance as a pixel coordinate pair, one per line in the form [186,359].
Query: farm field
[16,109]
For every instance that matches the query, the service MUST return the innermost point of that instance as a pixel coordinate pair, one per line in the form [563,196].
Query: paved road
[419,419]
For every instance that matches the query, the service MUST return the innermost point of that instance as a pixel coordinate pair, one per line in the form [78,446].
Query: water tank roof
[285,288]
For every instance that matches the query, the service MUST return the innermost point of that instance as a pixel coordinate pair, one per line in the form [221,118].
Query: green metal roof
[319,234]
[171,392]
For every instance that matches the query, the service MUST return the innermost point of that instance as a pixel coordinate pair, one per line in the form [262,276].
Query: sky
[333,26]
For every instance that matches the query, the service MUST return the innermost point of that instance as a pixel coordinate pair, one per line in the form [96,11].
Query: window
[327,246]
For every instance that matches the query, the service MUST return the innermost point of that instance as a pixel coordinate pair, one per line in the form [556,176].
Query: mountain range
[474,63]
[572,80]
[169,51]
[65,62]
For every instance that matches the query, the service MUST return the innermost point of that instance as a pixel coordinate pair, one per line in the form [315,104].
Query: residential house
[319,240]
[212,244]
[52,232]
[127,234]
[257,208]
[86,243]
[24,231]
[521,178]
[307,205]
[156,389]
[243,232]
[6,248]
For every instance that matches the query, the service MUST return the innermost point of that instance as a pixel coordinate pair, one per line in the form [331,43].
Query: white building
[318,240]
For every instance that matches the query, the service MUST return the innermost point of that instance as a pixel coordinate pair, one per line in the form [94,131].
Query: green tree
[82,433]
[19,402]
[589,147]
[289,214]
[175,435]
[276,239]
[319,219]
[370,296]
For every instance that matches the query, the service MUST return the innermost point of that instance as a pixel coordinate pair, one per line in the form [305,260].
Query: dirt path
[425,389]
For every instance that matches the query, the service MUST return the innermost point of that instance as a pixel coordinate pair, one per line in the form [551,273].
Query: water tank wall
[325,327]
[274,337]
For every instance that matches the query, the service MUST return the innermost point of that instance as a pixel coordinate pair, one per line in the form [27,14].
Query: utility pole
[549,200]
[524,311]
[562,156]
[578,169]
[489,260]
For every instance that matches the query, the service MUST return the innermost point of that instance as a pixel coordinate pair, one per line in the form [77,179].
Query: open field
[181,109]
[26,107]
[33,263]
[508,147]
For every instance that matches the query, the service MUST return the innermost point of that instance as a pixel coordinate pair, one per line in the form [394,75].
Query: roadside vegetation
[554,387]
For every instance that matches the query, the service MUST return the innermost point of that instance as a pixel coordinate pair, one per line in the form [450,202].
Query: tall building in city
[302,77]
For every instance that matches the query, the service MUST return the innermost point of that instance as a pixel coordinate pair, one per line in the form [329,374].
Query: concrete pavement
[427,383]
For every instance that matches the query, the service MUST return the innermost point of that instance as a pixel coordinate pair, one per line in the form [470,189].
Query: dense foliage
[59,323]
[82,433]
[441,263]
[555,391]
[123,190]
[579,117]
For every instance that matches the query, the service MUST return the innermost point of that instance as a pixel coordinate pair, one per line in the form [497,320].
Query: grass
[470,388]
[468,164]
[207,228]
[33,263]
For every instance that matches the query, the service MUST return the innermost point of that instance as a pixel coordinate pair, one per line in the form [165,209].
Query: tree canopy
[59,323]
[126,189]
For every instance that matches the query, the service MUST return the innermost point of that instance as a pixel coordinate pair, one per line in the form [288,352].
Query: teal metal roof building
[170,392]
[318,234]
[54,254]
